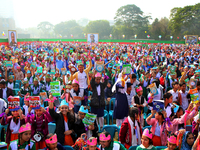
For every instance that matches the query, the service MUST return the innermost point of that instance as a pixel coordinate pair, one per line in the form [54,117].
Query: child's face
[129,88]
[38,112]
[190,139]
[140,92]
[170,100]
[176,86]
[10,80]
[15,113]
[171,146]
[92,147]
[35,83]
[145,141]
[64,109]
[183,87]
[26,136]
[108,85]
[26,103]
[75,87]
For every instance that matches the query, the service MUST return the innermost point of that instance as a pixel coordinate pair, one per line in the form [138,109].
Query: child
[26,106]
[130,131]
[129,93]
[14,122]
[91,144]
[90,130]
[147,143]
[36,88]
[67,96]
[186,139]
[172,142]
[175,93]
[140,102]
[77,95]
[168,99]
[159,128]
[183,92]
[121,104]
[52,143]
[23,141]
[39,125]
[24,90]
[98,98]
[66,134]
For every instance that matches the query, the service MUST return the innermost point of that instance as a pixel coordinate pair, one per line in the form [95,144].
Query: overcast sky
[30,13]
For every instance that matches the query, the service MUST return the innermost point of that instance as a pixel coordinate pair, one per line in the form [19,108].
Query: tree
[99,26]
[133,20]
[185,20]
[67,28]
[46,27]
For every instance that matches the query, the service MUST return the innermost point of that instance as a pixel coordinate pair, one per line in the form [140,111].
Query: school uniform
[11,85]
[35,90]
[78,103]
[14,145]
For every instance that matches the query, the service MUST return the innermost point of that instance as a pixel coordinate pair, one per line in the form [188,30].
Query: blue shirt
[59,64]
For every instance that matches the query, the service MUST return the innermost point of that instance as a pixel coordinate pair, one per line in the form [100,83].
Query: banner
[194,95]
[89,119]
[33,64]
[53,72]
[77,100]
[55,88]
[13,103]
[99,66]
[127,69]
[63,71]
[8,64]
[34,102]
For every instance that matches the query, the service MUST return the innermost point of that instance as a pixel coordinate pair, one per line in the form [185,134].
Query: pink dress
[65,95]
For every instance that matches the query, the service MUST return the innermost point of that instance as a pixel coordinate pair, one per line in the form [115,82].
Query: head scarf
[185,145]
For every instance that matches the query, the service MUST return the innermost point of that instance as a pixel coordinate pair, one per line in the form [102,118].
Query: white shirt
[134,104]
[157,130]
[82,79]
[98,90]
[184,100]
[129,97]
[66,126]
[5,93]
[174,94]
[3,106]
[168,110]
[11,86]
[133,86]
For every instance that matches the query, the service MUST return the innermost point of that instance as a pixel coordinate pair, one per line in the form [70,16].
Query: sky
[30,13]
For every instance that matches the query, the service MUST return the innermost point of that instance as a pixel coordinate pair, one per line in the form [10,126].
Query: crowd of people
[160,88]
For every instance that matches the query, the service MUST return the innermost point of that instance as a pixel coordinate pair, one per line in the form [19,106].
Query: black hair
[188,134]
[198,83]
[18,144]
[160,113]
[134,76]
[157,82]
[174,83]
[182,83]
[177,103]
[49,135]
[106,133]
[132,112]
[167,96]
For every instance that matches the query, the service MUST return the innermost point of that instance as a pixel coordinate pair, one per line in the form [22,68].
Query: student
[80,127]
[66,134]
[106,143]
[10,81]
[168,99]
[187,140]
[77,95]
[159,128]
[36,88]
[175,93]
[24,139]
[139,101]
[147,143]
[108,92]
[121,104]
[39,127]
[129,93]
[98,98]
[52,143]
[14,122]
[172,142]
[25,89]
[91,144]
[26,106]
[5,92]
[46,83]
[130,131]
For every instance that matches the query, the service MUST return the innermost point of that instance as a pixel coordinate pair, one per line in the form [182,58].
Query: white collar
[150,147]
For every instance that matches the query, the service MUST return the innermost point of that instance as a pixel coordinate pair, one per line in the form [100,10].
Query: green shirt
[24,91]
[111,146]
[14,145]
[108,73]
[142,148]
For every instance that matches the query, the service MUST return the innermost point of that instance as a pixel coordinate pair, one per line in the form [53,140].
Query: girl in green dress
[147,143]
[23,141]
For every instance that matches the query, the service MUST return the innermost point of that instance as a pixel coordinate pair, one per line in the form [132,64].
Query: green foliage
[46,27]
[185,20]
[99,26]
